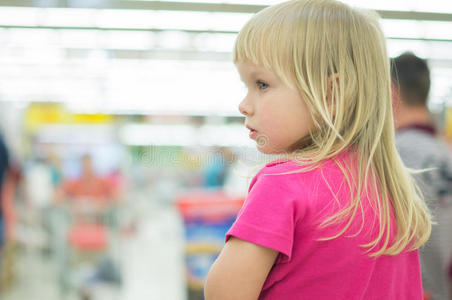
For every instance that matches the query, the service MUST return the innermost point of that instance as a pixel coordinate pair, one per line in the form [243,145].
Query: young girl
[338,216]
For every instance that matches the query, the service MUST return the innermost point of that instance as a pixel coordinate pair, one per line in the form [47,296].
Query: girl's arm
[239,271]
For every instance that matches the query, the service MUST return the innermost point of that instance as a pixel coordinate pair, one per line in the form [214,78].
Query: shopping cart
[87,240]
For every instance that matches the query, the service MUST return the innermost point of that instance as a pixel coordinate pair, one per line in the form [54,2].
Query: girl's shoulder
[294,185]
[292,176]
[288,174]
[281,170]
[293,167]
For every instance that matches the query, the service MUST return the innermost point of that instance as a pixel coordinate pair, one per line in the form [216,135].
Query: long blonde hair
[336,57]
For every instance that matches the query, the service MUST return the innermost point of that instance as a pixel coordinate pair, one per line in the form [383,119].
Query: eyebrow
[254,74]
[257,73]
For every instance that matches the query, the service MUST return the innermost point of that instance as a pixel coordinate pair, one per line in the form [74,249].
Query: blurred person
[217,167]
[11,174]
[39,193]
[89,188]
[420,148]
[4,158]
[38,182]
[42,177]
[88,201]
[55,167]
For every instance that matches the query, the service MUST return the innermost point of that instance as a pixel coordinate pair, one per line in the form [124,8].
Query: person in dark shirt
[4,158]
[3,169]
[420,148]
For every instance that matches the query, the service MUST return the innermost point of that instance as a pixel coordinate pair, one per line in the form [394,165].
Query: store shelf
[185,135]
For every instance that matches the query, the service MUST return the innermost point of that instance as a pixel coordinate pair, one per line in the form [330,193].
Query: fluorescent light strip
[440,6]
[130,40]
[49,39]
[124,19]
[417,29]
[245,2]
[178,20]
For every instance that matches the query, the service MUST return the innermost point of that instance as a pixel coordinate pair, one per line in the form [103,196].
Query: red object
[426,295]
[209,205]
[7,196]
[88,237]
[450,270]
[96,189]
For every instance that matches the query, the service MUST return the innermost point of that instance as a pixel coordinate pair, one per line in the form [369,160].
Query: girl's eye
[262,85]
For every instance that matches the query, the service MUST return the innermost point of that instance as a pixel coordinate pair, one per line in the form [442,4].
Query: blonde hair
[336,57]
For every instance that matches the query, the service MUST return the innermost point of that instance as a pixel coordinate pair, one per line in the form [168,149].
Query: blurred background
[128,158]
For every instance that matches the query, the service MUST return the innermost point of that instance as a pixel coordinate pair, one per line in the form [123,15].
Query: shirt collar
[427,128]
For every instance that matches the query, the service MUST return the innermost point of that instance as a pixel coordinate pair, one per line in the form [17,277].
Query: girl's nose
[245,108]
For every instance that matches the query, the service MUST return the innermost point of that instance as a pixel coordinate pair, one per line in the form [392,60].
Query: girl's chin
[266,150]
[263,151]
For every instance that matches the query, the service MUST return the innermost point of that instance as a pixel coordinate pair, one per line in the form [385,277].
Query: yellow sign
[39,114]
[92,119]
[448,125]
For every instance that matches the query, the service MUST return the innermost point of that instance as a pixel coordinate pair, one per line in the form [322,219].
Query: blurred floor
[154,266]
[151,260]
[35,275]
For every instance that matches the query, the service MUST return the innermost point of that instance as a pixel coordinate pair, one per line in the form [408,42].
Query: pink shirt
[281,212]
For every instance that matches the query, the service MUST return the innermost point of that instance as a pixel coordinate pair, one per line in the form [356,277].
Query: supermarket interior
[139,99]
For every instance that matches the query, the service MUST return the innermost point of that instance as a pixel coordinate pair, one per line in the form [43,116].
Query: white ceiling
[147,61]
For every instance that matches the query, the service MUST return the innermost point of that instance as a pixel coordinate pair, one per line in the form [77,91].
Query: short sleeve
[268,216]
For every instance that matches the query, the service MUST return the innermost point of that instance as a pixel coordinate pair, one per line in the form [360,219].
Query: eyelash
[260,85]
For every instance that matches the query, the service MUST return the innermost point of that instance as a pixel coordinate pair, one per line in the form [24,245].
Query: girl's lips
[250,128]
[253,134]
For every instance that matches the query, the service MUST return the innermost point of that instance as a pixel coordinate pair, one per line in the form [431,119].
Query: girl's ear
[334,78]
